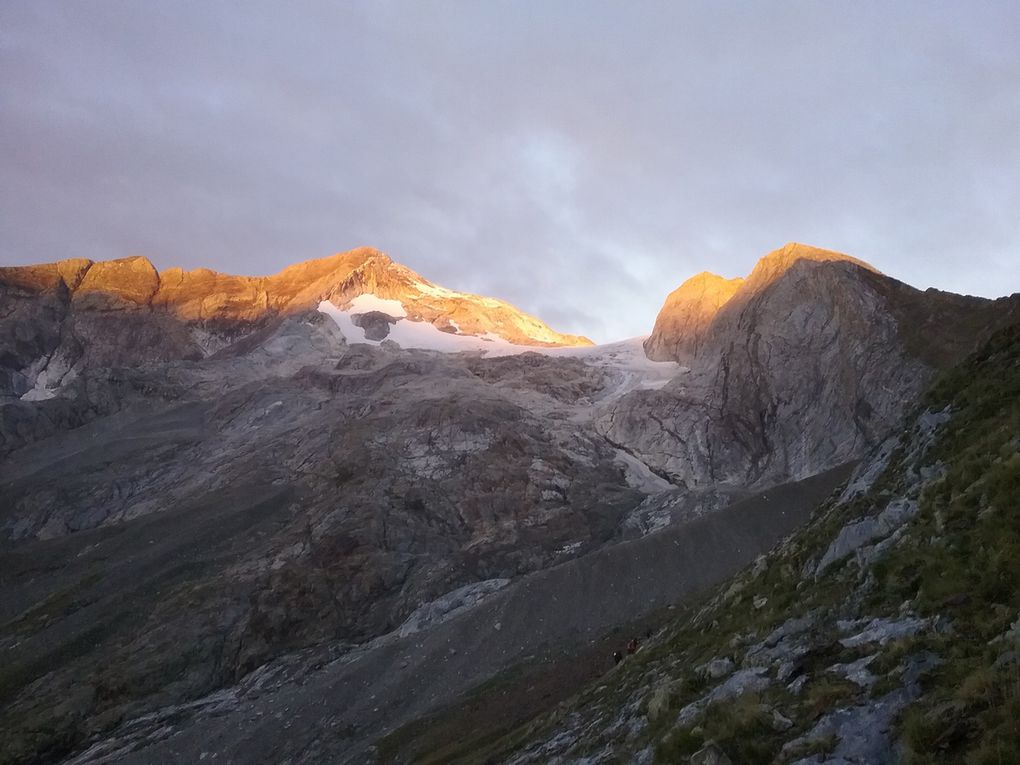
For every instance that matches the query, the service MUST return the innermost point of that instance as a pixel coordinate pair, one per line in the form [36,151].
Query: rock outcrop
[201,518]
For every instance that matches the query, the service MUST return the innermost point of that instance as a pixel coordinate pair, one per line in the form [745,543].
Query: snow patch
[420,335]
[369,302]
[625,360]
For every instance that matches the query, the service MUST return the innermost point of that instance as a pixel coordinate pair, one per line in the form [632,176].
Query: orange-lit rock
[686,315]
[691,310]
[213,309]
[204,295]
[117,284]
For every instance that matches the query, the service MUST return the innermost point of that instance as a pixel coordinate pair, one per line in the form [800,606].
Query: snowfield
[625,358]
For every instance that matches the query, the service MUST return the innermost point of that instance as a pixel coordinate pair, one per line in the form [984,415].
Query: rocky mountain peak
[778,261]
[801,366]
[686,315]
[63,317]
[691,310]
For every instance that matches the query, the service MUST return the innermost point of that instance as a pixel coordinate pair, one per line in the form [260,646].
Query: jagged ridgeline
[886,629]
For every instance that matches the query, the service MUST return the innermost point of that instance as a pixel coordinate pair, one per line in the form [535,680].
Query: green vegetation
[970,568]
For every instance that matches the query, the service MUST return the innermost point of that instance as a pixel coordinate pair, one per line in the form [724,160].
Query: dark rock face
[375,323]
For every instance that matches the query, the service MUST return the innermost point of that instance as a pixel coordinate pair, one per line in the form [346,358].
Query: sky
[579,159]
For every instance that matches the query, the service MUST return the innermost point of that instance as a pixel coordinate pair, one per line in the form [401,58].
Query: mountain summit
[796,368]
[689,310]
[64,316]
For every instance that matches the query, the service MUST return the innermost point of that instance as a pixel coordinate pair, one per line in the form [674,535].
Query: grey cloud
[578,159]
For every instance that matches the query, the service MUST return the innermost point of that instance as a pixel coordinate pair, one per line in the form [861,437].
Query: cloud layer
[579,159]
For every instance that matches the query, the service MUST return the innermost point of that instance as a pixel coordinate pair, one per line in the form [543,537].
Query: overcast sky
[579,159]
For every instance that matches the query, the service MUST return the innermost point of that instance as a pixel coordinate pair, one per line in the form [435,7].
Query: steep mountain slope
[428,662]
[304,492]
[806,363]
[886,630]
[61,318]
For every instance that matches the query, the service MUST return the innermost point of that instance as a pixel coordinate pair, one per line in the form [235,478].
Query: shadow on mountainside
[322,708]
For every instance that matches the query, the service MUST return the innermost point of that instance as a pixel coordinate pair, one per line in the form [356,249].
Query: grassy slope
[958,561]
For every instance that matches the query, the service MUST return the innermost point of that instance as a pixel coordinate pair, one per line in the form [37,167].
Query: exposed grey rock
[1006,658]
[809,363]
[761,565]
[449,605]
[375,323]
[740,682]
[780,721]
[793,626]
[222,501]
[868,555]
[864,732]
[349,551]
[856,535]
[869,470]
[782,645]
[716,668]
[797,685]
[856,671]
[881,631]
[786,669]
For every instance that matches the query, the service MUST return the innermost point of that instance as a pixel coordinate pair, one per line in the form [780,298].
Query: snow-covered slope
[625,360]
[411,334]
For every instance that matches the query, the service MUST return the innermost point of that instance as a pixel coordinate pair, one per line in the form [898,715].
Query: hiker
[617,657]
[632,645]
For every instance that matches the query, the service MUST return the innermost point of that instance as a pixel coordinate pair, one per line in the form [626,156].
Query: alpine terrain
[342,514]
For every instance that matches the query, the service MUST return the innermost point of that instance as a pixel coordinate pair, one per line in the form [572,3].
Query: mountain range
[295,518]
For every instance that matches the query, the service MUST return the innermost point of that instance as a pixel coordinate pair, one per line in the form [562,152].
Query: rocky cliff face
[61,318]
[798,368]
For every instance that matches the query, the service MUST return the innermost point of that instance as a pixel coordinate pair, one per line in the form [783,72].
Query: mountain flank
[885,630]
[802,366]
